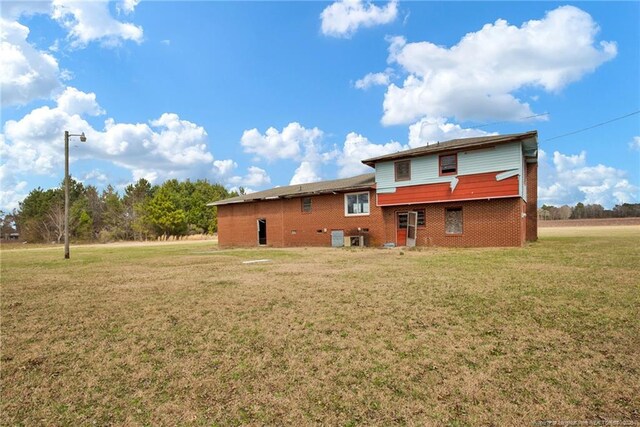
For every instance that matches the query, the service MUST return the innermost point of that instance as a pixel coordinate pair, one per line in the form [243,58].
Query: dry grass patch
[187,334]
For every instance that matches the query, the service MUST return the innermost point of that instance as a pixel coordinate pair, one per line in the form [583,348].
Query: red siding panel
[470,187]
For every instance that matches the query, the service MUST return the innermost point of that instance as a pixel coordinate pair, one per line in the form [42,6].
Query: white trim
[368,193]
[507,174]
[454,183]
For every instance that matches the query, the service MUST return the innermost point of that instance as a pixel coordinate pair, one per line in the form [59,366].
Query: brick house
[464,192]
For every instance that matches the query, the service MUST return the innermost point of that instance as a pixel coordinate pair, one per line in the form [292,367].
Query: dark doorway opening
[262,231]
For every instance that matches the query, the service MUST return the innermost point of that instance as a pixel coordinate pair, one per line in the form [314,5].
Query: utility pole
[66,194]
[66,188]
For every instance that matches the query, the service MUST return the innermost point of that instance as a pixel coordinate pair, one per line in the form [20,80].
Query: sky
[265,94]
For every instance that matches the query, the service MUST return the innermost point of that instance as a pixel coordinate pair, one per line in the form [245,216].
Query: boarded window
[403,170]
[453,221]
[306,204]
[449,164]
[356,204]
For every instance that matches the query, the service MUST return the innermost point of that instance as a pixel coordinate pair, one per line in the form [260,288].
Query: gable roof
[456,144]
[298,190]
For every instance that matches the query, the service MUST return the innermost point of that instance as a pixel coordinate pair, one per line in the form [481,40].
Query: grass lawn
[188,334]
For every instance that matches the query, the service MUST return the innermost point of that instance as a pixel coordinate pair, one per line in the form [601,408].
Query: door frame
[412,224]
[264,221]
[415,225]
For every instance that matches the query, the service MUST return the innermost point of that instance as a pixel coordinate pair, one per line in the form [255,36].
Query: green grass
[187,334]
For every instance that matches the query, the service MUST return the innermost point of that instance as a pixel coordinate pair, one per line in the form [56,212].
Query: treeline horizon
[173,208]
[142,212]
[588,211]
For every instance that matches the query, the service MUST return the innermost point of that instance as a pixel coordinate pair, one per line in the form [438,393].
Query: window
[420,217]
[453,221]
[403,170]
[306,204]
[449,164]
[356,204]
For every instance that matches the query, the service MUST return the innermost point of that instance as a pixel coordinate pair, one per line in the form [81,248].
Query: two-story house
[464,192]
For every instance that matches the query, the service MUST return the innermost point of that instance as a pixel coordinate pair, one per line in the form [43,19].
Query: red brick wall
[494,222]
[532,202]
[485,223]
[287,225]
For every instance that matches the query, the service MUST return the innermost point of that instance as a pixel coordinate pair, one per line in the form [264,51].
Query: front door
[401,229]
[262,231]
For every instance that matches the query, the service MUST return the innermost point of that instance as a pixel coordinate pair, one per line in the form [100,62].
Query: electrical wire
[510,121]
[591,127]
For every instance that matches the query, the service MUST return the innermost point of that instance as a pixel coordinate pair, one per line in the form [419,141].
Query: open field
[592,222]
[187,334]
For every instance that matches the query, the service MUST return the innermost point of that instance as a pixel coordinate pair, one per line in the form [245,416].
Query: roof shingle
[322,187]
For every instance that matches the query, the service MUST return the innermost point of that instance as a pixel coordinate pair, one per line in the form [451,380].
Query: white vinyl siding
[425,170]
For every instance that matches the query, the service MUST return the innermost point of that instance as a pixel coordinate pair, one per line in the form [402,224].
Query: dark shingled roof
[454,144]
[322,187]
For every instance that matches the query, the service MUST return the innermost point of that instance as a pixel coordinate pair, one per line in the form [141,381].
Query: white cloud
[72,101]
[635,143]
[343,18]
[293,142]
[224,171]
[12,10]
[357,148]
[26,73]
[305,173]
[95,175]
[167,147]
[570,180]
[431,130]
[127,6]
[478,78]
[12,192]
[374,79]
[88,21]
[255,177]
[224,168]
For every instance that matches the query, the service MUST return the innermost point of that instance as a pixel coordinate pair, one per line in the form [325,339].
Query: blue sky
[260,94]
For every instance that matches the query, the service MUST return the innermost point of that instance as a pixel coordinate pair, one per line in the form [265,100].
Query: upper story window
[356,204]
[306,204]
[403,170]
[448,164]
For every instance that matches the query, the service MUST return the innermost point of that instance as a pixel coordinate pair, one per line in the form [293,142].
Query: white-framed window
[356,204]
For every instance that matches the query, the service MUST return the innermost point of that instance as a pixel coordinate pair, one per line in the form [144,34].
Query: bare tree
[55,218]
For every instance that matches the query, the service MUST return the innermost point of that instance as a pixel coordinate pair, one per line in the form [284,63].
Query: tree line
[582,211]
[142,212]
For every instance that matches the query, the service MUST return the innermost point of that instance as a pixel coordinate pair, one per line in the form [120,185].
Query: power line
[509,121]
[591,127]
[486,124]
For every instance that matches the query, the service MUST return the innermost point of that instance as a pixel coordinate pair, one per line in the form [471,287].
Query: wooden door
[401,229]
